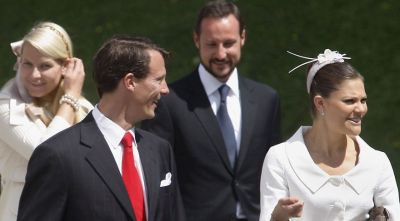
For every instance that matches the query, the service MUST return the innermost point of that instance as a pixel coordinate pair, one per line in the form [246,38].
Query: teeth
[220,62]
[37,83]
[355,120]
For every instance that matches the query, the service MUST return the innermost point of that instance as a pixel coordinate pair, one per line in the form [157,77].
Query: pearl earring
[322,113]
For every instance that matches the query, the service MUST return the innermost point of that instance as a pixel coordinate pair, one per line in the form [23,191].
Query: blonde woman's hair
[51,40]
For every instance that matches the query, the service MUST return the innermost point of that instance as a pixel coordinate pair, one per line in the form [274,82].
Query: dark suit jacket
[74,176]
[208,185]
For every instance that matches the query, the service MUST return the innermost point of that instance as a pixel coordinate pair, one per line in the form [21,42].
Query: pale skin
[219,43]
[136,99]
[331,140]
[42,74]
[74,77]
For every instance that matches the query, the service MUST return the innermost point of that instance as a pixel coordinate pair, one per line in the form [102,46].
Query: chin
[150,116]
[353,132]
[36,95]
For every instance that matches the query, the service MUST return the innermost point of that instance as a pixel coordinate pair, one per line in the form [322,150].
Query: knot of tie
[223,92]
[127,140]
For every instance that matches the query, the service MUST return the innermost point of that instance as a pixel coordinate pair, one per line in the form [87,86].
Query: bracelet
[70,100]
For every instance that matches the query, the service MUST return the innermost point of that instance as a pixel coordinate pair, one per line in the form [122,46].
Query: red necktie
[131,178]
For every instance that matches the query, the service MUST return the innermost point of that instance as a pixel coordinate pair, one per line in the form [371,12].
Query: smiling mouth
[156,102]
[37,83]
[356,120]
[220,62]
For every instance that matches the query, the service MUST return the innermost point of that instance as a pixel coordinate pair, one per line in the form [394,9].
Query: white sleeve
[273,184]
[386,193]
[56,125]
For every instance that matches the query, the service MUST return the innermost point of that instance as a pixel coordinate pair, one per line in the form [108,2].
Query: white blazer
[18,138]
[289,170]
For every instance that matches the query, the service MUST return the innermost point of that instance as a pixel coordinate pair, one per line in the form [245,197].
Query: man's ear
[196,39]
[129,81]
[243,36]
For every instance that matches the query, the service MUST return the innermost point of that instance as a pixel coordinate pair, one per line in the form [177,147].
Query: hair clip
[59,34]
[328,57]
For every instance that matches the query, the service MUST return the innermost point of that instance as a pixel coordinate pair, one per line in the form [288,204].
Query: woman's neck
[335,153]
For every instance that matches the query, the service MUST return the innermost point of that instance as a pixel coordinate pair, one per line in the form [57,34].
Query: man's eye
[229,44]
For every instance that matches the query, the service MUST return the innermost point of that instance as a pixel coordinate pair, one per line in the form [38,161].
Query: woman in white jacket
[326,171]
[42,99]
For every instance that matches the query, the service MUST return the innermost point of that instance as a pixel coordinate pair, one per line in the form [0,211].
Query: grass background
[367,31]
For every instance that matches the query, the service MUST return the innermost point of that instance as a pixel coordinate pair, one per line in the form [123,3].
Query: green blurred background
[366,30]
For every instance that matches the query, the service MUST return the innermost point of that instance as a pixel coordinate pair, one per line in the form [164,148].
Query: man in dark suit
[219,159]
[86,172]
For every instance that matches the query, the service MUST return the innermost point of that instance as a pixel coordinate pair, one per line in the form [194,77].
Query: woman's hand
[74,77]
[286,208]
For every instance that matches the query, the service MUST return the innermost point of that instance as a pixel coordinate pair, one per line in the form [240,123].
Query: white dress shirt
[289,170]
[113,135]
[211,85]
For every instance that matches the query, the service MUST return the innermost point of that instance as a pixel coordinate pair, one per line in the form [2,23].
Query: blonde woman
[42,99]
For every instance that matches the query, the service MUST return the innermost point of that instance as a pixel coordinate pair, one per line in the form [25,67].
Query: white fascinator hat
[328,57]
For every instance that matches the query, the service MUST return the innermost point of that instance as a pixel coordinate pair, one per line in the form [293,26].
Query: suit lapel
[103,162]
[151,172]
[202,109]
[249,107]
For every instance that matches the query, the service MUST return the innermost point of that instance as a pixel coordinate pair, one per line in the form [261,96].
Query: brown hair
[119,56]
[328,78]
[218,9]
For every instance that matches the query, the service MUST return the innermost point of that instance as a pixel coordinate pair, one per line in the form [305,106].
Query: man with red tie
[104,168]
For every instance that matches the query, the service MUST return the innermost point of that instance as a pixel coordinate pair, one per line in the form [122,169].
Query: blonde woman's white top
[18,138]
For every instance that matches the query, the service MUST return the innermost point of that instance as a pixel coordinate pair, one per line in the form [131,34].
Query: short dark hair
[218,9]
[120,55]
[328,78]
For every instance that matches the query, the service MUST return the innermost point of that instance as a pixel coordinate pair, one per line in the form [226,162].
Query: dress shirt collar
[314,177]
[112,132]
[211,84]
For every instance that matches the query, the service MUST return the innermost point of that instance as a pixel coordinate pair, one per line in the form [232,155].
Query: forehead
[351,87]
[216,26]
[28,50]
[157,63]
[31,53]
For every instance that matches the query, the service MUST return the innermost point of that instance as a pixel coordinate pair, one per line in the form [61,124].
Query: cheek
[55,74]
[24,77]
[236,53]
[147,93]
[53,77]
[155,90]
[205,52]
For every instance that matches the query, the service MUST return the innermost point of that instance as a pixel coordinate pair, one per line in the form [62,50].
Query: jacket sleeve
[386,192]
[45,192]
[273,185]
